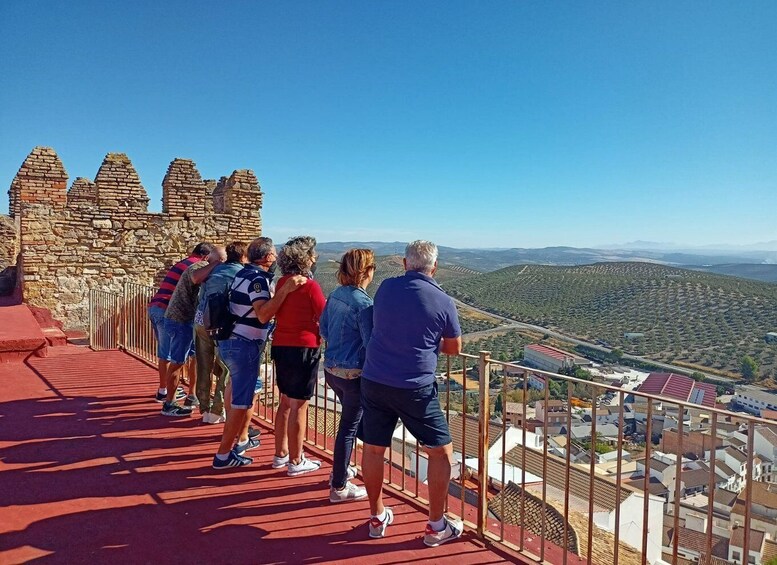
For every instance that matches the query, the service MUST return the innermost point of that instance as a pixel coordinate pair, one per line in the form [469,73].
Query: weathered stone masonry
[100,234]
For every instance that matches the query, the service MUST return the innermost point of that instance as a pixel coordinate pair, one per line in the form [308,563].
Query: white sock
[222,456]
[437,525]
[382,515]
[162,391]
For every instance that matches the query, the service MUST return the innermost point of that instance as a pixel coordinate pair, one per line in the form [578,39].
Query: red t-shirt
[297,319]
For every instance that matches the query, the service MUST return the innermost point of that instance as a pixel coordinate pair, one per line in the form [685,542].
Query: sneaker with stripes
[232,460]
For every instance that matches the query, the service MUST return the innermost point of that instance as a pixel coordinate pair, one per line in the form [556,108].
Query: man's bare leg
[439,479]
[232,426]
[373,457]
[173,376]
[162,368]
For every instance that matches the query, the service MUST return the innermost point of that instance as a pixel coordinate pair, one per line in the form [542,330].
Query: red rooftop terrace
[92,472]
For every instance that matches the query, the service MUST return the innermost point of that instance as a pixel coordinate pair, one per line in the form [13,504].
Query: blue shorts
[181,336]
[418,408]
[242,357]
[157,316]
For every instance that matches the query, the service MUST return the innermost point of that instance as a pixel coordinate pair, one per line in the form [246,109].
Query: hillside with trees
[692,318]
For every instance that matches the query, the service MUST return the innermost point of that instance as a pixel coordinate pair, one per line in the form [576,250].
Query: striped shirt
[162,296]
[251,284]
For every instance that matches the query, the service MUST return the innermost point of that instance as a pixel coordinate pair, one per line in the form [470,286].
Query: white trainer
[305,465]
[378,526]
[452,530]
[279,462]
[348,493]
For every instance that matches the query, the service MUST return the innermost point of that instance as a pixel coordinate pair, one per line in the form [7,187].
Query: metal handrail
[566,490]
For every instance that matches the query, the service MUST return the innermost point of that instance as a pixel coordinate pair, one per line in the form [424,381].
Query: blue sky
[474,124]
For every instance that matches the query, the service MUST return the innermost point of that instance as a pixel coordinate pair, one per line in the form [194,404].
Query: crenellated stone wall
[100,234]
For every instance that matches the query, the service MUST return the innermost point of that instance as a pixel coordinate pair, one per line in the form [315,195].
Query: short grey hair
[420,255]
[297,255]
[259,248]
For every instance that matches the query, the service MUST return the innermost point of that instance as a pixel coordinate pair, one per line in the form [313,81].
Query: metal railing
[539,480]
[120,321]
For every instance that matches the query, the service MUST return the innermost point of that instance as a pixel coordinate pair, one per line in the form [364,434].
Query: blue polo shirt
[411,315]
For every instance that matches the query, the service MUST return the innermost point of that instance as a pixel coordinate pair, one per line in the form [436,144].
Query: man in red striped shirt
[158,305]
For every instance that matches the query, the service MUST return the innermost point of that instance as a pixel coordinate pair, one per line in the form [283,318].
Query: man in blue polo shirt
[414,320]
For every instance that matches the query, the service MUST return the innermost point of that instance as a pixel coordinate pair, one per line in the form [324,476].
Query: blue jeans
[242,357]
[348,392]
[157,316]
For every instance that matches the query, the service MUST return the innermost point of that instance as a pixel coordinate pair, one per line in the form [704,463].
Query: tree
[581,373]
[749,368]
[697,376]
[615,355]
[498,408]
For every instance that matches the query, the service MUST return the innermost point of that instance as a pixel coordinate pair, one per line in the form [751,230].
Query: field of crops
[688,316]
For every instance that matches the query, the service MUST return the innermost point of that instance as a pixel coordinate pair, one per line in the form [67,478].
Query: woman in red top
[296,352]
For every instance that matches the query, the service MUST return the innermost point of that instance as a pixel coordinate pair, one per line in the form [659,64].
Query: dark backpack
[217,320]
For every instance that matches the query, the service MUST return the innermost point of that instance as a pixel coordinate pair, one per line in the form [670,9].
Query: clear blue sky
[505,124]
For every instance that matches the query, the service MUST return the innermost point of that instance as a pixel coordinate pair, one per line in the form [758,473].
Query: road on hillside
[511,324]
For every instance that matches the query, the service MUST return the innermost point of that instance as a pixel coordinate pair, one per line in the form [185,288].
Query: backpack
[217,320]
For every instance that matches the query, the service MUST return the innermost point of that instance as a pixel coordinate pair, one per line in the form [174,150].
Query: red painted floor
[90,472]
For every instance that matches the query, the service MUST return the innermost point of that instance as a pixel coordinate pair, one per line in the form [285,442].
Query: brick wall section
[13,198]
[119,188]
[67,250]
[82,191]
[184,190]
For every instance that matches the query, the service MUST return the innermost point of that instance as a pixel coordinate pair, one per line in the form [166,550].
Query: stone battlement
[100,234]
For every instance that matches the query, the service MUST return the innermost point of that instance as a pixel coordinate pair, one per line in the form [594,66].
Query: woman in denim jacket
[346,325]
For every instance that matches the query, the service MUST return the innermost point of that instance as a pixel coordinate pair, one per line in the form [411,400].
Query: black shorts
[418,408]
[296,370]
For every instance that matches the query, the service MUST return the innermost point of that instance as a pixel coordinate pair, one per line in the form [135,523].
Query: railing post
[91,318]
[484,376]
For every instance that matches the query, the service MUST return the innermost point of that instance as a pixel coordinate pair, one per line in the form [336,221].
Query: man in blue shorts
[253,307]
[414,320]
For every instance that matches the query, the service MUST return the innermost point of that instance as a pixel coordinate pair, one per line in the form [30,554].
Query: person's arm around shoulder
[214,260]
[266,309]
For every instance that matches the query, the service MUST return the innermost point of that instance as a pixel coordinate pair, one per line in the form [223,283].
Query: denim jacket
[346,325]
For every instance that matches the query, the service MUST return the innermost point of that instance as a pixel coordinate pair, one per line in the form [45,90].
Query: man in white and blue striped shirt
[253,307]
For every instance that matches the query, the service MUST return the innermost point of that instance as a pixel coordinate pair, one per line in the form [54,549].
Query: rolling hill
[685,316]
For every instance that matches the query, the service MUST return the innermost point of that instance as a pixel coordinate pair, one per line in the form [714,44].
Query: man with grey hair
[413,321]
[252,306]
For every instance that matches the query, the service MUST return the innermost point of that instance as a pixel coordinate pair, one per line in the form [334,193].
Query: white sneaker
[304,466]
[217,418]
[348,493]
[278,462]
[378,527]
[206,418]
[452,530]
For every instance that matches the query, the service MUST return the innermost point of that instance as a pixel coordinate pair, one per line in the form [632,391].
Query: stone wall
[8,242]
[100,234]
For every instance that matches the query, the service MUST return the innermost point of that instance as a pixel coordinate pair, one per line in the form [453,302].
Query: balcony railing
[531,478]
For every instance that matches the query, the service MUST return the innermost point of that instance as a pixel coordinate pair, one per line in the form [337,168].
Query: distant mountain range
[746,263]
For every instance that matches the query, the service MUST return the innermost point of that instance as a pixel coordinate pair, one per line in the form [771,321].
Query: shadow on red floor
[91,472]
